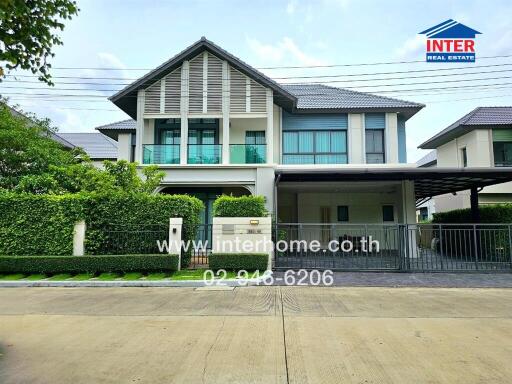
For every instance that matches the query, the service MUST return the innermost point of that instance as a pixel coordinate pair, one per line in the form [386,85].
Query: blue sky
[142,34]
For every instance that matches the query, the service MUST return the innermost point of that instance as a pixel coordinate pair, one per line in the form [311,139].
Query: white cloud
[282,52]
[291,7]
[412,47]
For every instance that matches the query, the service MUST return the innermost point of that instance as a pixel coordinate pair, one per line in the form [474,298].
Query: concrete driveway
[255,335]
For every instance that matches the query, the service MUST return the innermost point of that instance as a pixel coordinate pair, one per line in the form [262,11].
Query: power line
[281,67]
[293,77]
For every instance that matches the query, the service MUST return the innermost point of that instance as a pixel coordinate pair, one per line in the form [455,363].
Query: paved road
[255,335]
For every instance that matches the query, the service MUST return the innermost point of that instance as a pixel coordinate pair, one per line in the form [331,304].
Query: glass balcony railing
[247,153]
[204,153]
[161,154]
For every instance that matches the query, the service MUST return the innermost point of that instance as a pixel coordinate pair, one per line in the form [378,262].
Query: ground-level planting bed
[197,274]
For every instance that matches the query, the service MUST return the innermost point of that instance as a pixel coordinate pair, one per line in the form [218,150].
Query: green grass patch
[82,276]
[132,276]
[35,277]
[156,276]
[60,276]
[12,276]
[108,276]
[198,274]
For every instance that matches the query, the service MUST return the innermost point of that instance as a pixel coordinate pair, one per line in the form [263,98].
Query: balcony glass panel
[204,153]
[161,154]
[247,153]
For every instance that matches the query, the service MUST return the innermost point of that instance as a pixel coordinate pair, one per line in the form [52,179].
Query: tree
[27,149]
[27,33]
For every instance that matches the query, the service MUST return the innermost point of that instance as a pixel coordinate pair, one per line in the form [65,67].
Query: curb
[118,283]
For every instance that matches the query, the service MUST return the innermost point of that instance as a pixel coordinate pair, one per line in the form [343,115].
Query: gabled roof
[429,160]
[319,97]
[450,29]
[95,144]
[113,129]
[126,99]
[480,117]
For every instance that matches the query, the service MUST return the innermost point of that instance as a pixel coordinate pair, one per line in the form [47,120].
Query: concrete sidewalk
[255,335]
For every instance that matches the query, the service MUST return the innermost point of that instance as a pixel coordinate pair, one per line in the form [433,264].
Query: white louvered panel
[237,91]
[173,91]
[152,98]
[258,97]
[196,85]
[214,84]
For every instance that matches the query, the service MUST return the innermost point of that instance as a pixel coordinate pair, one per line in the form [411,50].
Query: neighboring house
[482,138]
[97,146]
[425,210]
[318,154]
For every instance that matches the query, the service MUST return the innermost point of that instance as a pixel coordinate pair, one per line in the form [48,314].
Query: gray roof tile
[428,160]
[119,125]
[95,144]
[480,116]
[319,96]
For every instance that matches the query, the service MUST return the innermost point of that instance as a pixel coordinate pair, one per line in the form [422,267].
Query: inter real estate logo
[450,42]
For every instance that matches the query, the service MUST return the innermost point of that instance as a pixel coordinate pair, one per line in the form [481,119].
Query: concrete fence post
[175,228]
[79,238]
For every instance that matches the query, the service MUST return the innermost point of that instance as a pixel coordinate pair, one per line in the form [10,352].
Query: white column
[225,112]
[175,226]
[162,95]
[270,127]
[391,134]
[139,138]
[79,239]
[184,112]
[355,139]
[409,217]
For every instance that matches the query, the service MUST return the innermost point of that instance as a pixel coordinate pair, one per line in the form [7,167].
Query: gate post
[175,225]
[79,238]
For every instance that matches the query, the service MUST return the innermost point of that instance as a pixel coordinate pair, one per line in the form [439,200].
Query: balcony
[161,154]
[247,153]
[204,154]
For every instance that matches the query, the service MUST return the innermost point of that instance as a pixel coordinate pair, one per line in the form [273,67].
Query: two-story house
[318,154]
[482,138]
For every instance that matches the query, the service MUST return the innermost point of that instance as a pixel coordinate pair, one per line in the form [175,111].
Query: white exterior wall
[391,138]
[124,146]
[355,138]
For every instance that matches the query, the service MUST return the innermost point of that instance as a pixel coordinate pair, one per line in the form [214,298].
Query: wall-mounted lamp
[254,222]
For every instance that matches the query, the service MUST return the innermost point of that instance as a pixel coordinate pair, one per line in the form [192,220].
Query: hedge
[489,214]
[243,206]
[88,264]
[238,261]
[116,223]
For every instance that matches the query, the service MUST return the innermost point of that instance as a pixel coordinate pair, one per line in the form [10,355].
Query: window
[388,213]
[315,147]
[502,154]
[374,141]
[464,156]
[342,212]
[254,137]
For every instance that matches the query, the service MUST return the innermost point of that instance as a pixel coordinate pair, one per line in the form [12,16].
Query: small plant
[243,206]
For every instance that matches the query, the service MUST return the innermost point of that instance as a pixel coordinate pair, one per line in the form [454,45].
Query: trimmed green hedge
[238,261]
[116,223]
[88,264]
[492,214]
[243,206]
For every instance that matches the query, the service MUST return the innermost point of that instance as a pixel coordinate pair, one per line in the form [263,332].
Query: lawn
[186,274]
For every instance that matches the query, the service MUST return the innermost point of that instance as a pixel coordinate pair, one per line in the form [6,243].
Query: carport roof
[428,181]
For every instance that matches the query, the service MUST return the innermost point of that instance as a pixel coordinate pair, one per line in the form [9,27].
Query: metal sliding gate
[394,247]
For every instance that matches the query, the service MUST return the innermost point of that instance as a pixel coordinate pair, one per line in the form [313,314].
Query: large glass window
[374,141]
[502,154]
[315,147]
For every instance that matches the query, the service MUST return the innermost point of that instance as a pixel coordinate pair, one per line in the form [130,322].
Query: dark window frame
[385,216]
[315,154]
[343,217]
[383,153]
[503,162]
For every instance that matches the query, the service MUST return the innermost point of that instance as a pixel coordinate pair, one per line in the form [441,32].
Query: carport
[354,203]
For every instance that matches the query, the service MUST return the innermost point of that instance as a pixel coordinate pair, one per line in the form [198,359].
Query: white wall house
[480,139]
[318,154]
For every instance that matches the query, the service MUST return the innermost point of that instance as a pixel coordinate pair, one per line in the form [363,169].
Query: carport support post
[475,213]
[174,246]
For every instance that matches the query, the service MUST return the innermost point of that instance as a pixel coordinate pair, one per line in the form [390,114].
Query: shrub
[43,224]
[87,264]
[243,206]
[492,214]
[238,261]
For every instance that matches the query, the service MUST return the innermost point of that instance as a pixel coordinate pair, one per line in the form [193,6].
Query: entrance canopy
[428,182]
